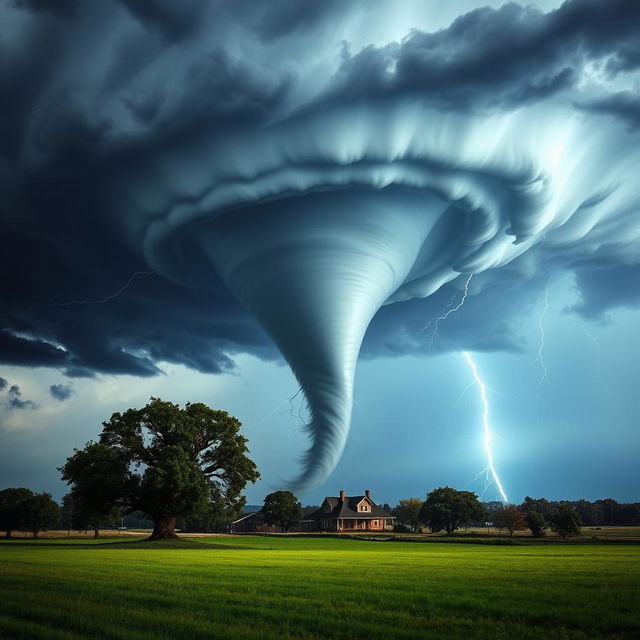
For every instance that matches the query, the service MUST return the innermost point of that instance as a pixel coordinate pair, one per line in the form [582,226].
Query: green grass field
[277,587]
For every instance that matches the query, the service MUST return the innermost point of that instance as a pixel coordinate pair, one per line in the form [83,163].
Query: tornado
[314,224]
[313,271]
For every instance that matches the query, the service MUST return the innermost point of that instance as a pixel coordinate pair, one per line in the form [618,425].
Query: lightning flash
[485,424]
[447,312]
[540,359]
[110,296]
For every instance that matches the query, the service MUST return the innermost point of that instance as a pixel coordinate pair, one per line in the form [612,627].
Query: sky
[229,202]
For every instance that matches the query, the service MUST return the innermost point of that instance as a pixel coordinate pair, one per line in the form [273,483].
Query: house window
[375,523]
[364,507]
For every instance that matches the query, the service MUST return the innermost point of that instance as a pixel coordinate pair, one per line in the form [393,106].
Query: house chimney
[341,495]
[367,494]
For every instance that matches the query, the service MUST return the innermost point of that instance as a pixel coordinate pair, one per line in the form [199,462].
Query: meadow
[252,587]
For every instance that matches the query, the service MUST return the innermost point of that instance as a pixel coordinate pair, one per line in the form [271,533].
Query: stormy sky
[225,201]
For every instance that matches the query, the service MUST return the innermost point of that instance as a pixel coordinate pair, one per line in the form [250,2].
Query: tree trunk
[35,533]
[163,528]
[96,533]
[8,534]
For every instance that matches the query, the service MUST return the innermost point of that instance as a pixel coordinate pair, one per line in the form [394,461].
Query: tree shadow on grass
[139,545]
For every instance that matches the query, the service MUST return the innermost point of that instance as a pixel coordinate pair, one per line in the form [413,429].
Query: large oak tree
[283,508]
[163,460]
[446,508]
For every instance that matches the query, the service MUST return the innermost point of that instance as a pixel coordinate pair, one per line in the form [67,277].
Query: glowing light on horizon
[485,424]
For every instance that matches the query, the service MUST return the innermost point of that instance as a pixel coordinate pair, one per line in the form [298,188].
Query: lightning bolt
[281,410]
[540,359]
[109,297]
[447,313]
[298,416]
[485,424]
[597,351]
[485,403]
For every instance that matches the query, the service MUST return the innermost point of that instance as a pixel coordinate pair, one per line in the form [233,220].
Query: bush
[537,524]
[566,522]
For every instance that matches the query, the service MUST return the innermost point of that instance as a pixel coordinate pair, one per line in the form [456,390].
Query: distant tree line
[444,509]
[447,509]
[605,512]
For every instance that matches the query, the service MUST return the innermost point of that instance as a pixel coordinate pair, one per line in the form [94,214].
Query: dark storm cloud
[61,8]
[3,384]
[15,400]
[17,350]
[497,57]
[151,321]
[174,19]
[61,392]
[624,105]
[57,242]
[90,132]
[290,17]
[607,288]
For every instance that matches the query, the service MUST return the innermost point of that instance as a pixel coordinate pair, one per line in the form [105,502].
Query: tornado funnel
[314,270]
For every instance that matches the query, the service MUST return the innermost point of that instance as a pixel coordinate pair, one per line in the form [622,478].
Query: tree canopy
[408,512]
[446,508]
[13,509]
[537,523]
[41,512]
[511,518]
[163,460]
[566,522]
[283,508]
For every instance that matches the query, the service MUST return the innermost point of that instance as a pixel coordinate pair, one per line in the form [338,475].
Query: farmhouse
[339,513]
[348,513]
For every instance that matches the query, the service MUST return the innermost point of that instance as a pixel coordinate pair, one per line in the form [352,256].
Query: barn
[251,523]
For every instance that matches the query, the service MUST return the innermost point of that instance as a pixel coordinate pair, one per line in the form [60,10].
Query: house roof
[249,515]
[347,509]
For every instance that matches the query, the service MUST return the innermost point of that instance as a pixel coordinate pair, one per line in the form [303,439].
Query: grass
[254,587]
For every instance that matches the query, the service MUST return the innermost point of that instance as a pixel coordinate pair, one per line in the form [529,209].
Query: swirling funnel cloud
[343,212]
[314,270]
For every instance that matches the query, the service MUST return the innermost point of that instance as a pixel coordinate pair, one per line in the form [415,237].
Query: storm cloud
[497,58]
[15,401]
[61,392]
[229,152]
